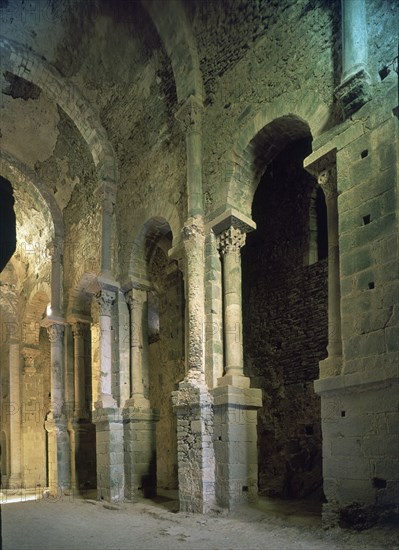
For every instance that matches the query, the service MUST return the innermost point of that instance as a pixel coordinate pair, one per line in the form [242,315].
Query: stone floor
[77,523]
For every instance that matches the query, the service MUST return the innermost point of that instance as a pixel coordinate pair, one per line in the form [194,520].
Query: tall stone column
[33,433]
[15,415]
[192,401]
[331,366]
[235,403]
[139,420]
[324,169]
[137,302]
[106,299]
[354,90]
[80,405]
[82,432]
[106,194]
[107,416]
[56,422]
[230,242]
[55,251]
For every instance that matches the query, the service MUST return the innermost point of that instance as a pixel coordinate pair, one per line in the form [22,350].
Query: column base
[238,381]
[140,462]
[354,92]
[193,405]
[106,401]
[331,366]
[109,454]
[235,442]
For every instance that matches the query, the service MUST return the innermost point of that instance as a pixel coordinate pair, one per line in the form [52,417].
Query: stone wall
[167,368]
[285,327]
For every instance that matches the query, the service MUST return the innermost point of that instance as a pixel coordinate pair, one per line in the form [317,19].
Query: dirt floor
[76,523]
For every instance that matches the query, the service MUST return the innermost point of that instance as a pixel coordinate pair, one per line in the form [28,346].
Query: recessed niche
[366,219]
[379,483]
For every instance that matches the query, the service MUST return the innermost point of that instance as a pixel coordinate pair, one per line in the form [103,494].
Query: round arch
[261,139]
[24,63]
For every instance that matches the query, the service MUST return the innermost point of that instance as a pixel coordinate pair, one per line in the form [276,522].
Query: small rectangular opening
[245,488]
[364,153]
[384,72]
[366,219]
[371,285]
[379,483]
[343,413]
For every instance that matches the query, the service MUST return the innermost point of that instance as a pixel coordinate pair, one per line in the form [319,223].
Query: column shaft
[80,409]
[15,414]
[354,37]
[106,299]
[328,182]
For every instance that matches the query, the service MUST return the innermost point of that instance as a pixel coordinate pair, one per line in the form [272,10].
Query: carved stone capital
[190,114]
[327,179]
[29,355]
[231,240]
[354,92]
[106,299]
[78,329]
[55,332]
[135,298]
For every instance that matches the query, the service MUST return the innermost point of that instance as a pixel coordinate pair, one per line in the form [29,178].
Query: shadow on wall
[8,234]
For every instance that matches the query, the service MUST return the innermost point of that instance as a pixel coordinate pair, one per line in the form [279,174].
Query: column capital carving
[190,114]
[231,240]
[78,329]
[55,332]
[327,179]
[106,299]
[135,297]
[29,354]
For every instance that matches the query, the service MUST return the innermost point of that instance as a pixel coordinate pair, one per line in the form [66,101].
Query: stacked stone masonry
[199,288]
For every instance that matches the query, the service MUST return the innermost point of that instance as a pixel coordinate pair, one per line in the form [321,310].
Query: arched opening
[285,323]
[166,367]
[8,225]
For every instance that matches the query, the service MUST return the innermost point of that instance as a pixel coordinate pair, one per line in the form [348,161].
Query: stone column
[106,299]
[33,433]
[79,368]
[107,416]
[56,422]
[235,403]
[82,432]
[54,251]
[139,420]
[190,116]
[331,366]
[194,269]
[15,415]
[354,90]
[106,193]
[230,242]
[137,303]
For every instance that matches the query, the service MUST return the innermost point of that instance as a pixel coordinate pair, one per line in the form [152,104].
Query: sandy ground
[147,525]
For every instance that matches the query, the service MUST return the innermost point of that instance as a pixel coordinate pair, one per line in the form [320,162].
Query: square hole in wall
[343,413]
[364,153]
[371,285]
[309,430]
[366,219]
[379,483]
